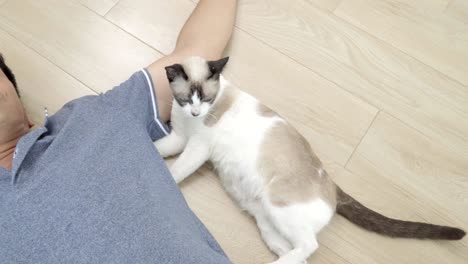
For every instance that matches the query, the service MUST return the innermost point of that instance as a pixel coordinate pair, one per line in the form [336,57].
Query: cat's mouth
[195,114]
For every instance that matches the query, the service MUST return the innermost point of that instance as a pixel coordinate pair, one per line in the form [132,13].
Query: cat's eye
[207,100]
[185,101]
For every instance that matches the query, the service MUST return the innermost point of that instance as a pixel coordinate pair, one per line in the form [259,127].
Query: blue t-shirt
[90,187]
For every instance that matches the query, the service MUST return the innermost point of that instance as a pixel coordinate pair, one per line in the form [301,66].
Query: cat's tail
[370,220]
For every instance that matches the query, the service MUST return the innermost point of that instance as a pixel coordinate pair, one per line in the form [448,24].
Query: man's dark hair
[9,74]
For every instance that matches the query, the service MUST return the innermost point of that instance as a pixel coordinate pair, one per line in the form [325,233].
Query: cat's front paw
[176,174]
[162,148]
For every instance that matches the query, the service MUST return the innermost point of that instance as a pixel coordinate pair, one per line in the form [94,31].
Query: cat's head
[195,84]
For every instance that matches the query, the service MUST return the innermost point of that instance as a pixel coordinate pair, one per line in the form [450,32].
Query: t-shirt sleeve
[137,96]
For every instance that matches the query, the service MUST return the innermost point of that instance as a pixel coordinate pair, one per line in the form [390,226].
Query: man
[89,186]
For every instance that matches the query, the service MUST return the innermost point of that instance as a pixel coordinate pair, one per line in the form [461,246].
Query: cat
[264,164]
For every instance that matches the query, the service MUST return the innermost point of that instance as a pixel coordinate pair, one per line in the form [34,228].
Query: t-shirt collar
[22,150]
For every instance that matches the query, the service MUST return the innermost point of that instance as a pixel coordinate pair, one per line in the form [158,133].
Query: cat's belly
[241,182]
[235,157]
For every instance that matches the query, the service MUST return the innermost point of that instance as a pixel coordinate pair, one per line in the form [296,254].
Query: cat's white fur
[233,146]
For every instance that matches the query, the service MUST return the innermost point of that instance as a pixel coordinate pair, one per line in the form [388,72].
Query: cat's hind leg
[299,223]
[303,248]
[272,238]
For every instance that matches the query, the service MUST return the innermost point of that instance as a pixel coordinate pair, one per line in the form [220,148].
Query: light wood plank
[79,41]
[431,175]
[99,6]
[41,83]
[419,163]
[434,38]
[458,9]
[369,185]
[300,95]
[426,5]
[156,22]
[328,5]
[389,79]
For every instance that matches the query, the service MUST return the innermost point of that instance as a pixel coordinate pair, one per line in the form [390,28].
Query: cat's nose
[195,112]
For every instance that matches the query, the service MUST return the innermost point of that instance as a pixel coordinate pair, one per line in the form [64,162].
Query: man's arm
[205,34]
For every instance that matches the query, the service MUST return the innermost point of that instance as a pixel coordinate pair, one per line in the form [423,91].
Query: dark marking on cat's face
[195,84]
[175,71]
[216,67]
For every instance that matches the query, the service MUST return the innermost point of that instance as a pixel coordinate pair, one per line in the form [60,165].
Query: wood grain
[41,83]
[363,65]
[329,5]
[458,9]
[419,164]
[155,22]
[429,182]
[87,46]
[427,5]
[99,6]
[371,185]
[431,36]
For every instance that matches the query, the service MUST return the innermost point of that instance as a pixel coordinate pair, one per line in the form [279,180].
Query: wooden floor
[378,87]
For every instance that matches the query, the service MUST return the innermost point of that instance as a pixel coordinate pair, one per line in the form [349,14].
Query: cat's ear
[216,67]
[175,71]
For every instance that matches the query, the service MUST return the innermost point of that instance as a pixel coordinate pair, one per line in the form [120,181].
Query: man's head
[13,120]
[8,73]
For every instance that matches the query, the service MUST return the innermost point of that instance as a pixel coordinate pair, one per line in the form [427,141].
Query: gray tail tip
[454,234]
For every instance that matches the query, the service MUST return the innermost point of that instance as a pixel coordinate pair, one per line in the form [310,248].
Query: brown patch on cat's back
[292,172]
[221,106]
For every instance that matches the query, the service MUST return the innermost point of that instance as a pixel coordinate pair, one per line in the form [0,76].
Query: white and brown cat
[264,164]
